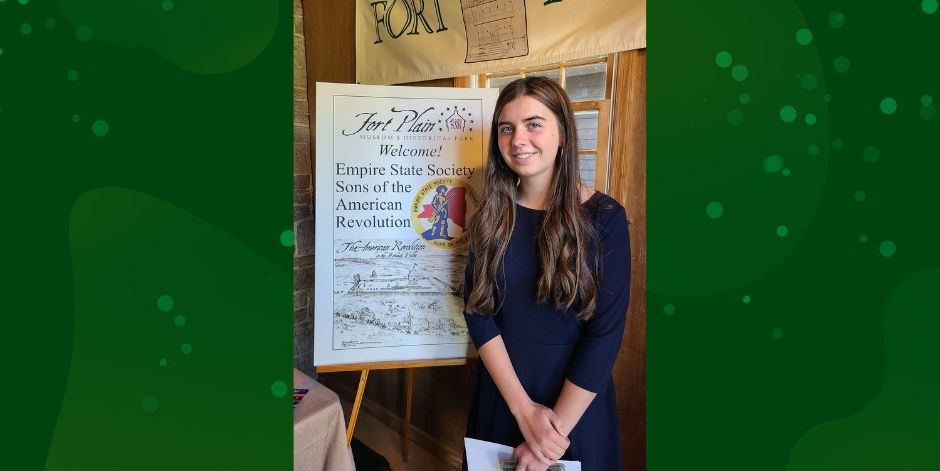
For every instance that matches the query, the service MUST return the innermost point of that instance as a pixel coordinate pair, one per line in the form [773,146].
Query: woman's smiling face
[529,138]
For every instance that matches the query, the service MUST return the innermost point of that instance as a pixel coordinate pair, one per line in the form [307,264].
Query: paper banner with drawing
[401,41]
[399,170]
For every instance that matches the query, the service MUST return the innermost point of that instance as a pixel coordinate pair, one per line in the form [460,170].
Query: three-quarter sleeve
[482,327]
[594,357]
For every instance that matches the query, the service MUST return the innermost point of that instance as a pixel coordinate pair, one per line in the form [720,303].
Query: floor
[386,441]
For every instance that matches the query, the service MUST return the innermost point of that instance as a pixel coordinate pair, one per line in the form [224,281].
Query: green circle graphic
[837,19]
[165,303]
[773,164]
[928,113]
[669,309]
[804,37]
[871,153]
[83,33]
[149,404]
[100,128]
[782,231]
[929,6]
[809,81]
[714,210]
[723,59]
[287,238]
[888,105]
[279,388]
[887,248]
[788,114]
[739,72]
[841,64]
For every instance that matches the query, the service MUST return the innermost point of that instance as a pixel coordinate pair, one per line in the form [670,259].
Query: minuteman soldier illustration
[445,203]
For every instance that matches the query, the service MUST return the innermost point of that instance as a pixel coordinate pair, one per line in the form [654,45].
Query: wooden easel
[409,389]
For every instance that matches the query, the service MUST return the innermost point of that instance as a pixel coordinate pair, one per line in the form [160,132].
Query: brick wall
[303,206]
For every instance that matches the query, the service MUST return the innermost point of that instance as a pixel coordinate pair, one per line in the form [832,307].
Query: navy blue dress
[547,345]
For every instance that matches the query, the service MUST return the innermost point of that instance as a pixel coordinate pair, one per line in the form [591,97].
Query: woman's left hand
[539,427]
[526,459]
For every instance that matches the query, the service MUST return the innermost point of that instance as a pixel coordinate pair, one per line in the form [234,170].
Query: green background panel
[147,151]
[792,259]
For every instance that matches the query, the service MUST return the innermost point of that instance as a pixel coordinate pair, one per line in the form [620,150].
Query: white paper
[486,456]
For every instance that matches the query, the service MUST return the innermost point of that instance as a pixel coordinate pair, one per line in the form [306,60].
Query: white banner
[412,40]
[399,170]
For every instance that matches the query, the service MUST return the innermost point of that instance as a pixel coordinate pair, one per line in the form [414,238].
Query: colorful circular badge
[440,211]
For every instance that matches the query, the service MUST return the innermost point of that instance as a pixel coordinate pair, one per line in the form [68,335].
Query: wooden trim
[330,47]
[601,163]
[391,365]
[609,86]
[406,426]
[441,82]
[465,81]
[588,105]
[628,186]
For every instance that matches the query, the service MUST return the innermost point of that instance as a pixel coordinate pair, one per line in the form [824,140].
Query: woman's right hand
[539,428]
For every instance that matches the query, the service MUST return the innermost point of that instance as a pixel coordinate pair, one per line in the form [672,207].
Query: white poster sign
[399,170]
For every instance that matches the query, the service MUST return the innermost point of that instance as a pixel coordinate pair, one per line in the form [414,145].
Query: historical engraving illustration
[396,292]
[496,29]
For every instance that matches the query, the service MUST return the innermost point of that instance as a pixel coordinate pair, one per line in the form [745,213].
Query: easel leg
[406,433]
[354,414]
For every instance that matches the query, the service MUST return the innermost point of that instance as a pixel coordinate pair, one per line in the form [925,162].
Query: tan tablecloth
[319,429]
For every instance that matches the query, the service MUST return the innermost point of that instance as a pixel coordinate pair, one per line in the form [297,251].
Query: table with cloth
[319,429]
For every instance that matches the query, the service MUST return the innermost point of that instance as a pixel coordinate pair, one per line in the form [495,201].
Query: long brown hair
[565,237]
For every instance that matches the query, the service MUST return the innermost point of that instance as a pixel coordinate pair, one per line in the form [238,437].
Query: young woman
[546,291]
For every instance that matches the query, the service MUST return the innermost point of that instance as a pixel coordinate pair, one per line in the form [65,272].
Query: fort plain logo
[439,211]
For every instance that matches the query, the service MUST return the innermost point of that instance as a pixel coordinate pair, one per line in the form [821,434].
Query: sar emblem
[440,209]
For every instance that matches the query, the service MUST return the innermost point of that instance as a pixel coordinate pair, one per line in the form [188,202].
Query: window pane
[587,165]
[500,82]
[586,121]
[553,74]
[586,82]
